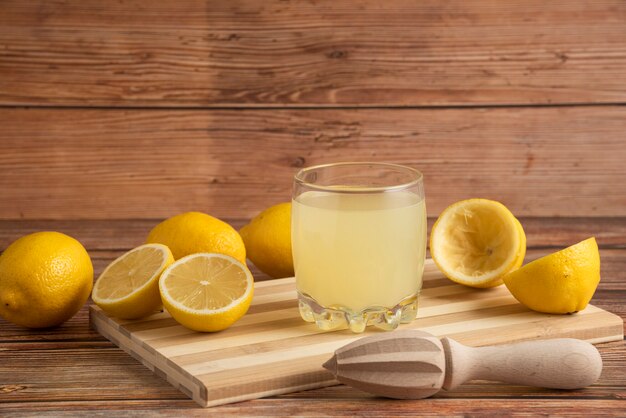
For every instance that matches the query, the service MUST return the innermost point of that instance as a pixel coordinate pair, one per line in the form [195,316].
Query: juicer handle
[562,363]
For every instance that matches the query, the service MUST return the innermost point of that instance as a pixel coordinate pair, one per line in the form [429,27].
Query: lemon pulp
[206,292]
[476,242]
[128,287]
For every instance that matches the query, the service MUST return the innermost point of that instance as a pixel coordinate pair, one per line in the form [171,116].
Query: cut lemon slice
[206,292]
[129,287]
[476,242]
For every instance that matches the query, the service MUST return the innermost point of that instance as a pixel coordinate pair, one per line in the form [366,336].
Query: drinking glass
[359,244]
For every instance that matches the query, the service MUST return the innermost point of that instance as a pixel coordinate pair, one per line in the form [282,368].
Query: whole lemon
[196,232]
[45,278]
[559,283]
[268,241]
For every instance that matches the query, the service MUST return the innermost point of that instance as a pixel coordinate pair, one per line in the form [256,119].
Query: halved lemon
[559,283]
[129,287]
[476,242]
[207,292]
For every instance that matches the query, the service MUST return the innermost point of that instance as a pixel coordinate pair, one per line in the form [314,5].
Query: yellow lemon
[475,242]
[45,278]
[206,292]
[268,241]
[196,232]
[562,282]
[129,287]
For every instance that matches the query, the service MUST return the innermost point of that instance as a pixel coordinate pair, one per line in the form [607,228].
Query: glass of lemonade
[359,244]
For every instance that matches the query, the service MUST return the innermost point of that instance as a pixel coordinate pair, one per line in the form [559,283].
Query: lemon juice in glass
[359,244]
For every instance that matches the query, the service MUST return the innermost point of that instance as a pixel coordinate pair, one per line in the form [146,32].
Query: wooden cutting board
[271,350]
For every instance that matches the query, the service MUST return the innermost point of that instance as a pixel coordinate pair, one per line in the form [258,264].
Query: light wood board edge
[111,330]
[612,330]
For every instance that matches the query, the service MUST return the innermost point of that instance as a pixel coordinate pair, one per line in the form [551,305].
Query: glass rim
[416,174]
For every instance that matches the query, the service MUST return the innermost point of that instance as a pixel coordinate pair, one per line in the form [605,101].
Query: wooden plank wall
[141,109]
[116,113]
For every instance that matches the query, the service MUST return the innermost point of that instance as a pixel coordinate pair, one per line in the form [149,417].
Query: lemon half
[562,282]
[476,242]
[207,292]
[129,287]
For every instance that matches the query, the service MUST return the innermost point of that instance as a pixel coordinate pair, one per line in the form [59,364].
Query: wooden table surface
[115,115]
[73,370]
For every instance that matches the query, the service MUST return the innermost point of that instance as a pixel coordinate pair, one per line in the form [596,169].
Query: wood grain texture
[107,164]
[350,407]
[271,350]
[73,165]
[67,374]
[107,238]
[321,53]
[412,364]
[66,386]
[561,363]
